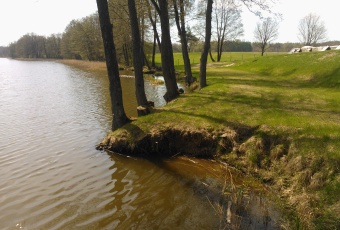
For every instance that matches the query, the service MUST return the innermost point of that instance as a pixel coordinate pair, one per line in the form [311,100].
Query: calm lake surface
[51,176]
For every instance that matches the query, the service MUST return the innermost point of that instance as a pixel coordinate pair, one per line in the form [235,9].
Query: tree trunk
[153,52]
[204,56]
[263,48]
[126,55]
[167,53]
[119,117]
[138,56]
[211,56]
[180,22]
[220,50]
[221,37]
[154,27]
[146,61]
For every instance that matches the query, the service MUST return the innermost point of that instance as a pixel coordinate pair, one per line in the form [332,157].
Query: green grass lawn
[231,57]
[297,93]
[301,92]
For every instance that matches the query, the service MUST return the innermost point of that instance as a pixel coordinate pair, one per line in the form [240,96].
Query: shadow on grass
[331,80]
[288,78]
[264,102]
[245,78]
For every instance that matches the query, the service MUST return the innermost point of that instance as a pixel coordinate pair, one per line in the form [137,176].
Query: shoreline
[269,156]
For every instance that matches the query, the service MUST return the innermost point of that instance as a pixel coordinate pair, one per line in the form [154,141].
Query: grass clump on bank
[274,117]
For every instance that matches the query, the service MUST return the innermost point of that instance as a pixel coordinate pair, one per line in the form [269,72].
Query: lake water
[51,176]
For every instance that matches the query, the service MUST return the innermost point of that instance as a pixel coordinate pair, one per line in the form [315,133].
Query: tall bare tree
[153,20]
[311,30]
[265,32]
[228,23]
[257,6]
[254,6]
[119,117]
[180,12]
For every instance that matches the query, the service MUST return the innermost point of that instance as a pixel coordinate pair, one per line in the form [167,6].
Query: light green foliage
[82,39]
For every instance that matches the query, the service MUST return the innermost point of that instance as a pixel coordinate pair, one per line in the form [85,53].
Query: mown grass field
[231,57]
[295,96]
[299,92]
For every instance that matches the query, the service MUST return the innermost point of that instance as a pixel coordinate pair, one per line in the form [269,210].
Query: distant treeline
[4,51]
[80,43]
[82,40]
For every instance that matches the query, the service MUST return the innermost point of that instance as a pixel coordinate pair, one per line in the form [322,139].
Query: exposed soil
[252,150]
[167,142]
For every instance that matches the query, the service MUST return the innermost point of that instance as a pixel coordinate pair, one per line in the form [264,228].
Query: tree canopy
[265,32]
[311,29]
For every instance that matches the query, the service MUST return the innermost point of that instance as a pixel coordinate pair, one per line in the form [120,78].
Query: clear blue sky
[44,17]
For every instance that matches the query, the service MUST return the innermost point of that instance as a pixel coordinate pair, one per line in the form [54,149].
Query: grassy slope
[294,100]
[292,96]
[298,92]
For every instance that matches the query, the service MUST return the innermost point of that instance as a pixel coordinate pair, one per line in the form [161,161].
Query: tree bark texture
[167,52]
[119,117]
[220,48]
[180,23]
[204,56]
[138,56]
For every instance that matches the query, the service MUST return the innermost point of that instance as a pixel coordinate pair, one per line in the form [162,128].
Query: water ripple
[51,177]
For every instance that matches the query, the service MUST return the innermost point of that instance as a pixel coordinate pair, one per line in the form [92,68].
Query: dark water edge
[51,177]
